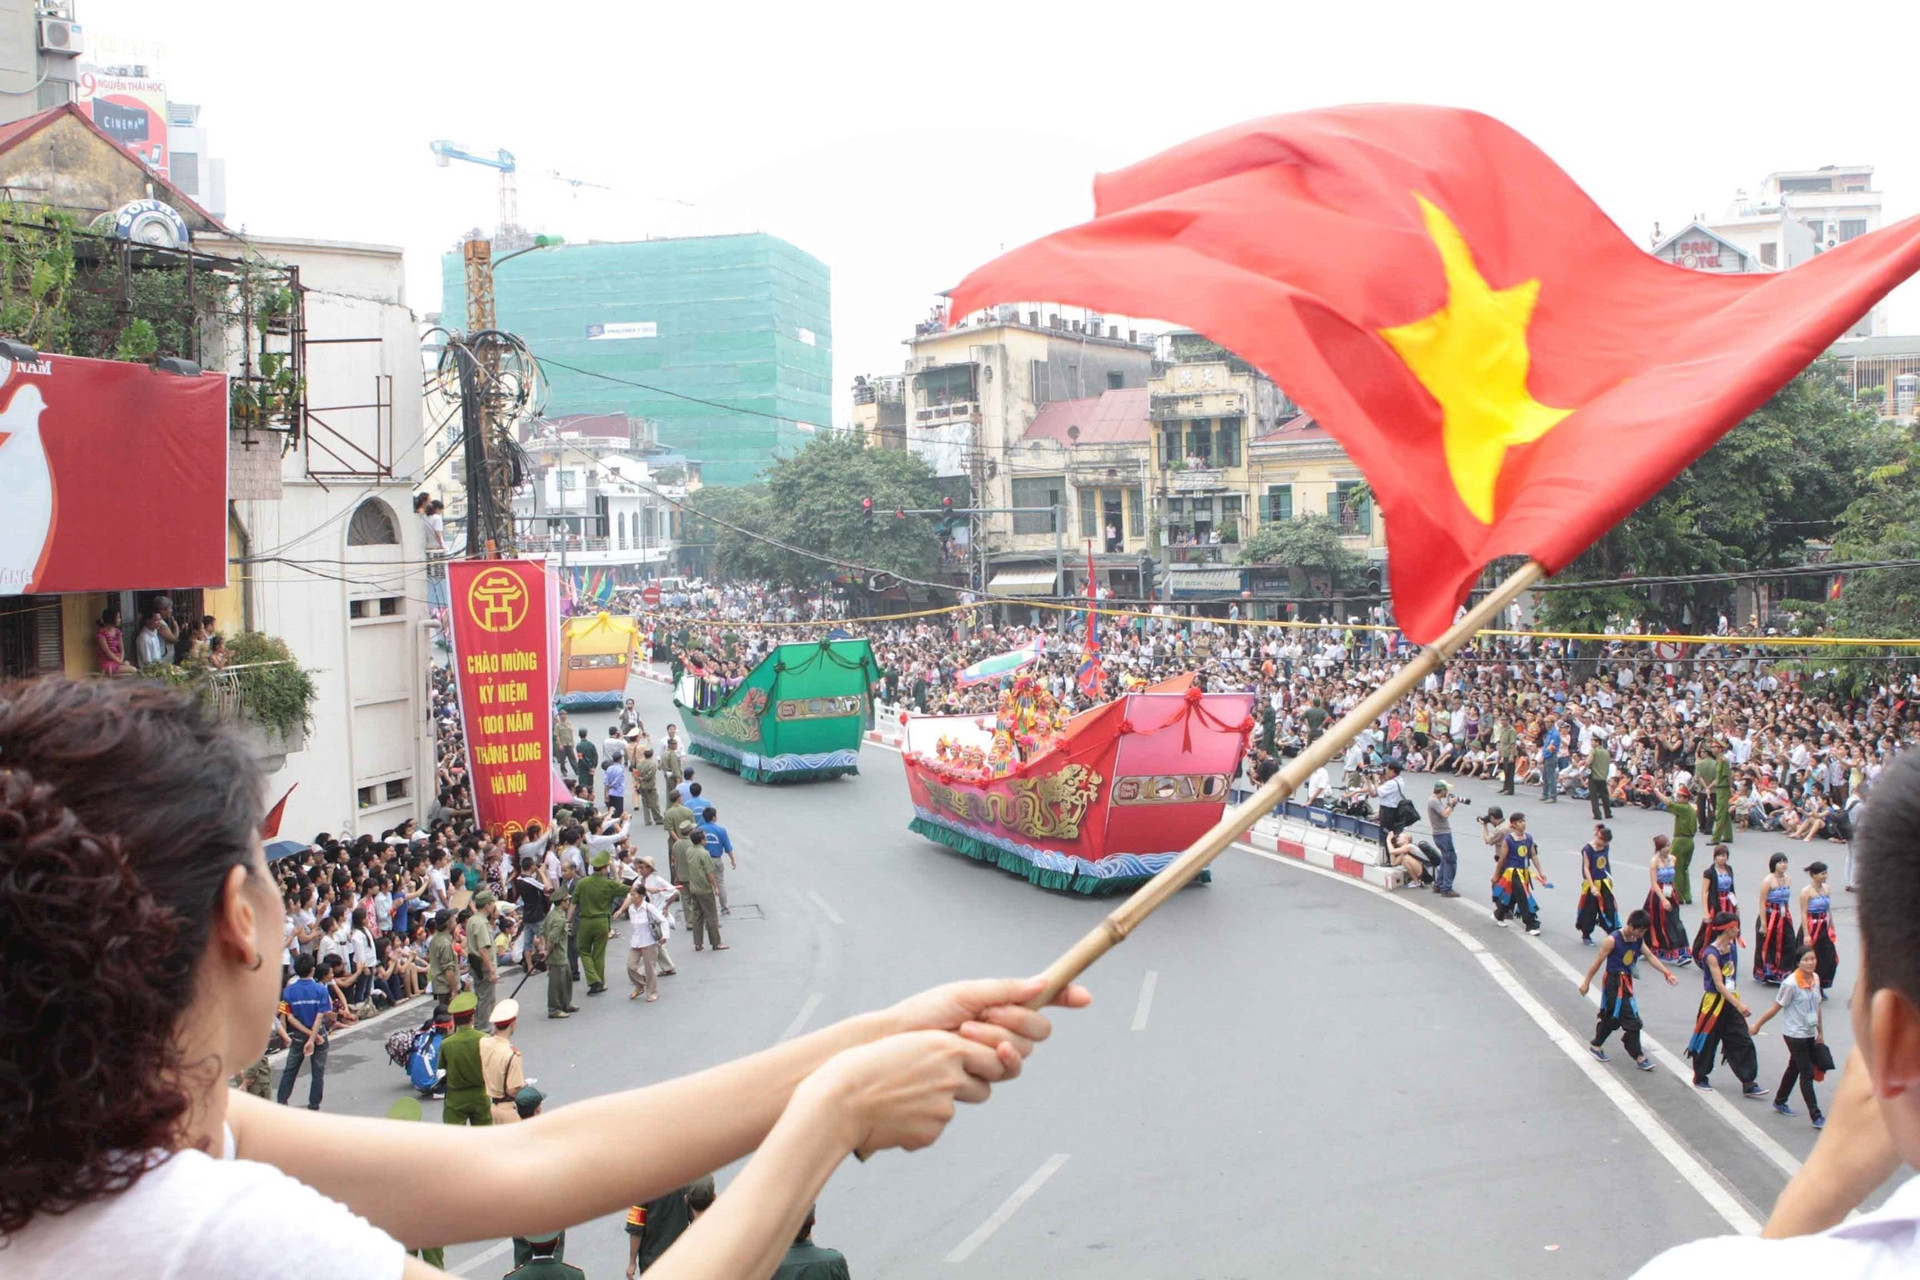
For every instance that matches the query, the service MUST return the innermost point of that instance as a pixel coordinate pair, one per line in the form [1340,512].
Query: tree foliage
[1310,548]
[811,500]
[1779,479]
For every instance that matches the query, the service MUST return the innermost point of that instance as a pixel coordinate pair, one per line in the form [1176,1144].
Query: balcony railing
[1212,553]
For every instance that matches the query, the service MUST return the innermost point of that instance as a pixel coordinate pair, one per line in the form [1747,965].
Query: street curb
[1314,847]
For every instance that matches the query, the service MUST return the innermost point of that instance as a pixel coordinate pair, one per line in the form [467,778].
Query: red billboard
[113,477]
[503,666]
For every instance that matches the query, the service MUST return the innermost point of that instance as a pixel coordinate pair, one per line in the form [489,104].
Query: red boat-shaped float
[1095,803]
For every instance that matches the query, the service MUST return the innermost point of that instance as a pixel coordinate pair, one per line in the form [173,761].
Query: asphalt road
[1282,1071]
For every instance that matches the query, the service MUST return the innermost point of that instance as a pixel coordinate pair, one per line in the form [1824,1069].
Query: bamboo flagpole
[1149,897]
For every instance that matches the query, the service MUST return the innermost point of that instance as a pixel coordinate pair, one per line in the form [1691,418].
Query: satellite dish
[1073,433]
[148,222]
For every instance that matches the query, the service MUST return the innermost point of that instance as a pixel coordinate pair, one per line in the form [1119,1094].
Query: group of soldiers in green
[1706,802]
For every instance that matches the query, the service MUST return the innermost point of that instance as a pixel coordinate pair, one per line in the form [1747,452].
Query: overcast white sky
[904,144]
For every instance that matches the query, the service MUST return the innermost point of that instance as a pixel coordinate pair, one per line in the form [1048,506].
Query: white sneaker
[1534,932]
[1498,923]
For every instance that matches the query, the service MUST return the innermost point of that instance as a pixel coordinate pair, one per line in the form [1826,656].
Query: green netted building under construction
[741,321]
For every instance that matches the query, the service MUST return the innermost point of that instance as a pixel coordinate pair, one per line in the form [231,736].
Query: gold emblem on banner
[497,601]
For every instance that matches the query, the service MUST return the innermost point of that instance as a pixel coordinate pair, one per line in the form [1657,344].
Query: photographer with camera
[1439,821]
[1396,811]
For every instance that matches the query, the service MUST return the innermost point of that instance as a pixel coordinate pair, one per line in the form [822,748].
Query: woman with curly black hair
[140,933]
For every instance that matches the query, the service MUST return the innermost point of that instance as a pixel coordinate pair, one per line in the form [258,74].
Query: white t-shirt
[198,1218]
[1885,1242]
[363,952]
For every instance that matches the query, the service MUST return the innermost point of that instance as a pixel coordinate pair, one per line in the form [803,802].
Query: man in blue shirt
[720,849]
[1550,765]
[307,1007]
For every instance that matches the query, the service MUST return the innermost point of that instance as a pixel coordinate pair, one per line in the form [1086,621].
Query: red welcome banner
[503,668]
[113,476]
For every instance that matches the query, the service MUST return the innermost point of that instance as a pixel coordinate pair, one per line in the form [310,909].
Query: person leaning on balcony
[109,646]
[156,869]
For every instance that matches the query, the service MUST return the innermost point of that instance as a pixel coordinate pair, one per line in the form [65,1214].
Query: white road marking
[1677,1066]
[1146,999]
[998,1218]
[485,1255]
[821,903]
[1642,1117]
[800,1019]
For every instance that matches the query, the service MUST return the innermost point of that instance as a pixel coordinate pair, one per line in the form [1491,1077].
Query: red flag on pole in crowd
[1512,373]
[1090,676]
[270,825]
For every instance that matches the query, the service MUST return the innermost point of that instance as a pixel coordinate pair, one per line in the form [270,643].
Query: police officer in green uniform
[1685,825]
[460,1054]
[545,1264]
[670,761]
[1706,771]
[553,932]
[646,785]
[1722,798]
[482,959]
[443,963]
[594,897]
[703,913]
[806,1260]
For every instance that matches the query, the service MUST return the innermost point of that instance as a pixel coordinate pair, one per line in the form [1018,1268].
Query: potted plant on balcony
[1230,532]
[276,691]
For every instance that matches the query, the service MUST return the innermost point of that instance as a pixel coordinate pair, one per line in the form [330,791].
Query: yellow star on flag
[1472,357]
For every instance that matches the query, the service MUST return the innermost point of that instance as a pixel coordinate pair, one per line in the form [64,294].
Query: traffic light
[866,511]
[947,521]
[899,513]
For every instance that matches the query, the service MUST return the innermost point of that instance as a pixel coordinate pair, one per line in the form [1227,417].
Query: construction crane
[444,153]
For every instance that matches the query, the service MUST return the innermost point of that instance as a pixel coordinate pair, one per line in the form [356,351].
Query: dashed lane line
[998,1218]
[1140,1011]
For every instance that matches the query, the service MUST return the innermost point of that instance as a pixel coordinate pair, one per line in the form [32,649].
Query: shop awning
[1207,583]
[1023,582]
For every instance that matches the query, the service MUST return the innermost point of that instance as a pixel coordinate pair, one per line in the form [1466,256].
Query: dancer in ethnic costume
[1513,879]
[1816,925]
[1597,904]
[1667,935]
[1775,940]
[1618,1007]
[1716,896]
[1721,1026]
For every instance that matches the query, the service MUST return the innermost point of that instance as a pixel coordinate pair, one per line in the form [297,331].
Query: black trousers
[1506,776]
[1730,1039]
[1799,1067]
[1599,799]
[1626,1021]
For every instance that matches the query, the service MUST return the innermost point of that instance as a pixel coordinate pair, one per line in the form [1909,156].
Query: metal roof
[1112,417]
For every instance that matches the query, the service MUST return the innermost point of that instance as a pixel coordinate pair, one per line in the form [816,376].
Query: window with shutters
[184,168]
[1089,513]
[1037,372]
[1137,512]
[29,637]
[1279,502]
[1353,514]
[1227,443]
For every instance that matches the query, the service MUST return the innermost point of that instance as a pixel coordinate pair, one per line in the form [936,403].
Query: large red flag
[1510,371]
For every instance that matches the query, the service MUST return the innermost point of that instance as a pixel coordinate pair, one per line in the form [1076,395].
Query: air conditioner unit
[60,37]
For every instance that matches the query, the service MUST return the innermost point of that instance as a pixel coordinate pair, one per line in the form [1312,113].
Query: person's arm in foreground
[701,1122]
[1854,1155]
[896,1093]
